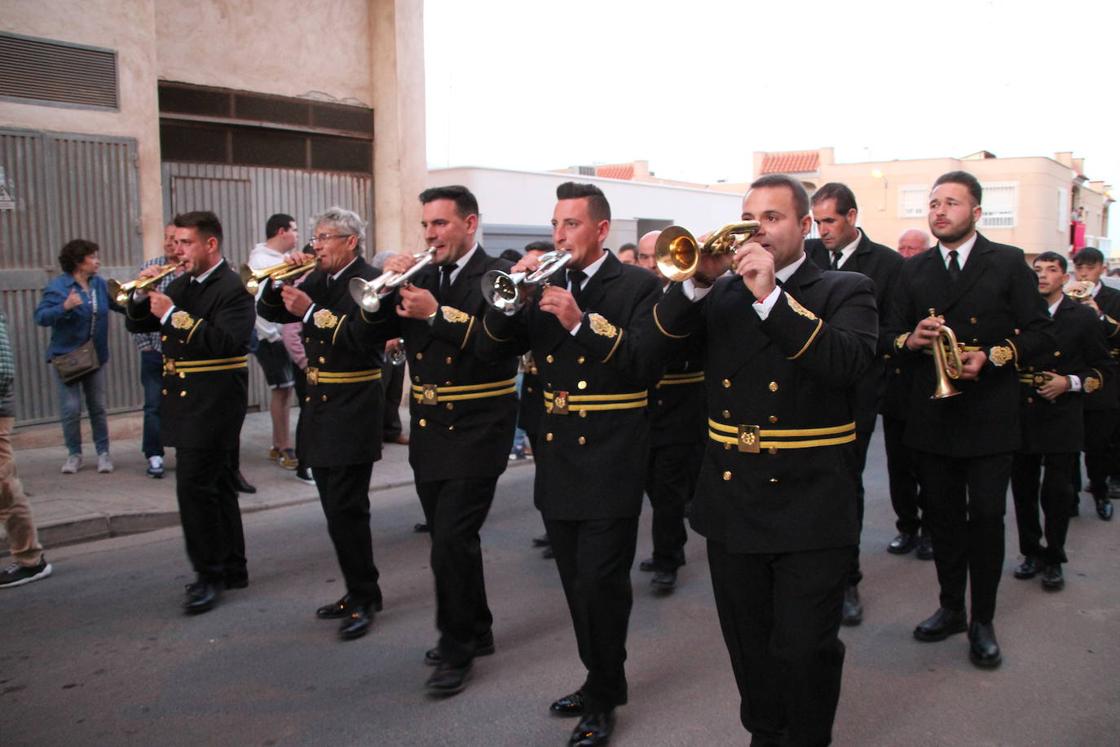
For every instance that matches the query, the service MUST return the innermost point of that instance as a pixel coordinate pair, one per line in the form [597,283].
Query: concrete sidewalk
[88,505]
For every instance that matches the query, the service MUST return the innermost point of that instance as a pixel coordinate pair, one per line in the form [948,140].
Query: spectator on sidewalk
[281,237]
[15,513]
[151,363]
[75,305]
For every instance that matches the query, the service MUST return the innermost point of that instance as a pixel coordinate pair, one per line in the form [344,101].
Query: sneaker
[104,464]
[287,459]
[155,467]
[303,474]
[72,464]
[18,575]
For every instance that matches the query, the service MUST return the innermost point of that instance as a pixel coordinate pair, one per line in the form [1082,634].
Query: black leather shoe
[201,597]
[593,729]
[242,484]
[420,527]
[1052,578]
[1029,568]
[940,625]
[484,646]
[647,566]
[663,582]
[983,650]
[236,581]
[569,705]
[357,624]
[925,547]
[541,541]
[903,543]
[1104,509]
[448,680]
[853,608]
[341,608]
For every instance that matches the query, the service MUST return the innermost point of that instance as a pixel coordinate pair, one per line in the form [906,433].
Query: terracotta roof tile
[791,162]
[616,171]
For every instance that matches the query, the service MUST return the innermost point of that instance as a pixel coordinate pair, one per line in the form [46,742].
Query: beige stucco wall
[127,26]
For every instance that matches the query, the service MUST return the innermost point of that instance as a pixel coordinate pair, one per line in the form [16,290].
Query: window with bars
[1000,202]
[913,201]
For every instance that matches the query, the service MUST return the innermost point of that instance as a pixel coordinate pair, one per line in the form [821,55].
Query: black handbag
[82,360]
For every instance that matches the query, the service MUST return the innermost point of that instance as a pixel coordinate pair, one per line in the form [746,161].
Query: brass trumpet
[369,293]
[507,292]
[122,292]
[678,253]
[1079,290]
[278,273]
[946,362]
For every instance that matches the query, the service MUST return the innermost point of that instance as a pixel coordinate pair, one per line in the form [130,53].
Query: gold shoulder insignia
[1000,355]
[325,319]
[600,326]
[798,308]
[1091,384]
[453,315]
[181,320]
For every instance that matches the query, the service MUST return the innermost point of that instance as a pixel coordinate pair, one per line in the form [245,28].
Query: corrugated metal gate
[245,196]
[65,186]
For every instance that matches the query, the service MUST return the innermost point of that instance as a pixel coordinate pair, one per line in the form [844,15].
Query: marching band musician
[787,342]
[1052,389]
[340,425]
[463,411]
[988,296]
[593,440]
[205,321]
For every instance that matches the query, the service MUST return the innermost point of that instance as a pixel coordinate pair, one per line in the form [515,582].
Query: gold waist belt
[696,377]
[561,403]
[431,394]
[751,439]
[172,367]
[316,377]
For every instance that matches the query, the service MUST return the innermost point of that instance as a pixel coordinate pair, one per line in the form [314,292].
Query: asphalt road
[99,654]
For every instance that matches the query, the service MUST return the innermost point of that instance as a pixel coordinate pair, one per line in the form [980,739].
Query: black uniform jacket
[677,405]
[994,306]
[341,420]
[881,264]
[205,358]
[1108,301]
[777,474]
[530,410]
[463,408]
[1057,427]
[594,436]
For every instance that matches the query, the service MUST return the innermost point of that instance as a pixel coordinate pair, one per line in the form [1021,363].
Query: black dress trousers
[670,481]
[1055,495]
[902,477]
[344,494]
[207,493]
[455,511]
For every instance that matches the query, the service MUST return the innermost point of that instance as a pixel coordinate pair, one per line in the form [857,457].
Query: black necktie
[575,283]
[836,260]
[954,266]
[445,281]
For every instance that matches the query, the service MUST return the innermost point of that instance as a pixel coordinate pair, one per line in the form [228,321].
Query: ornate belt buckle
[749,436]
[312,376]
[559,403]
[430,395]
[169,366]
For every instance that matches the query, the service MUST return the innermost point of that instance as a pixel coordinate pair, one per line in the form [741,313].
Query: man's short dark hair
[465,203]
[277,222]
[1090,255]
[203,221]
[511,255]
[845,199]
[1053,257]
[796,188]
[965,179]
[628,247]
[74,252]
[539,246]
[597,206]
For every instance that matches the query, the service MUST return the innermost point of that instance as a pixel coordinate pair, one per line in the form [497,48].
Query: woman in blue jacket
[75,305]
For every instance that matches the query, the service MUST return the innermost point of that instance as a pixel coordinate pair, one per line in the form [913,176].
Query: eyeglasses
[323,237]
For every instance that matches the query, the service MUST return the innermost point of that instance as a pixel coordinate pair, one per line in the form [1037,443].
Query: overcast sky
[696,87]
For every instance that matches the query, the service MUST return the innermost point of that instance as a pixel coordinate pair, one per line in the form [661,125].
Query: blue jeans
[151,376]
[70,397]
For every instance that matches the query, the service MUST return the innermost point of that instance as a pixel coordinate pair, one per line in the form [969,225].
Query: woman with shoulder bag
[75,305]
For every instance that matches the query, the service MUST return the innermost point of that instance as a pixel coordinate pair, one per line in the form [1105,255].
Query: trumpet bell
[502,291]
[366,294]
[677,254]
[118,292]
